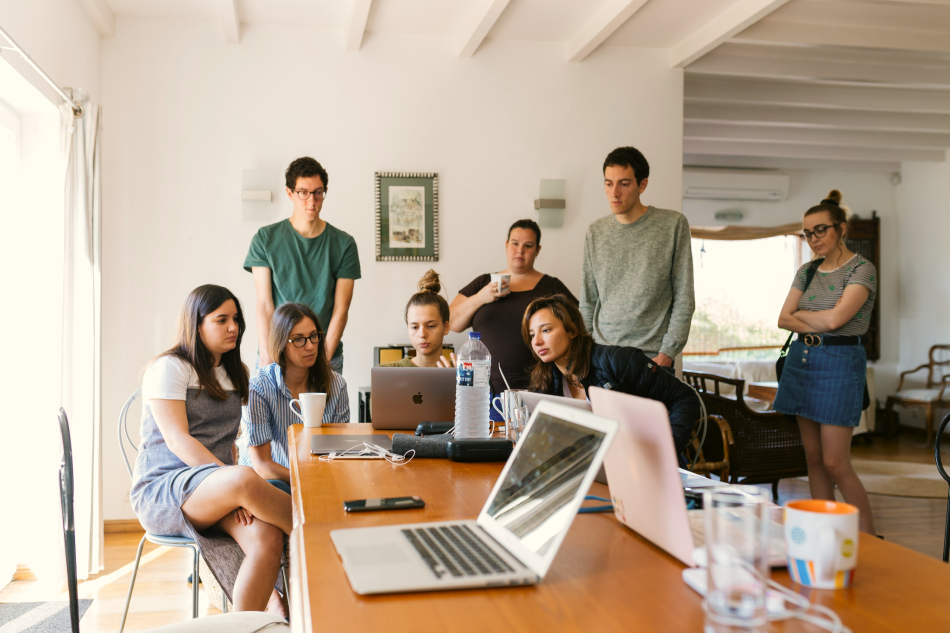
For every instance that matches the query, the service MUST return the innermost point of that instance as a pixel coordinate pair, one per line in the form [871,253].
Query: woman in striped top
[296,341]
[824,375]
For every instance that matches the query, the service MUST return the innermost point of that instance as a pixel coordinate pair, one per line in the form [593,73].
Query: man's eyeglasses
[819,231]
[318,194]
[300,341]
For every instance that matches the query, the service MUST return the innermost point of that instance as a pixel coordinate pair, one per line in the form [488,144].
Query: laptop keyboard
[456,550]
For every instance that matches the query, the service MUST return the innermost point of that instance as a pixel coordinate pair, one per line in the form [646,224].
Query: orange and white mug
[821,543]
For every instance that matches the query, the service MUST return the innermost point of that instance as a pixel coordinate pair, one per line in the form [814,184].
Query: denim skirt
[824,384]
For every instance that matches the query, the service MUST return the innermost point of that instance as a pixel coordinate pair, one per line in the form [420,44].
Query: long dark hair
[201,302]
[578,353]
[428,295]
[286,317]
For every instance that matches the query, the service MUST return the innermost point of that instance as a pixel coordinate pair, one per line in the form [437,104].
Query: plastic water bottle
[471,389]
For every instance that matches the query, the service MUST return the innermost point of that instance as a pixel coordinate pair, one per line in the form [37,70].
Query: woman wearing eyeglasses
[296,343]
[824,375]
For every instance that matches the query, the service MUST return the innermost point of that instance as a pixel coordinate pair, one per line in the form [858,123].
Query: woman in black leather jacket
[569,363]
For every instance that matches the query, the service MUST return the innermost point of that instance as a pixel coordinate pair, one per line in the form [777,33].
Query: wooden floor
[163,596]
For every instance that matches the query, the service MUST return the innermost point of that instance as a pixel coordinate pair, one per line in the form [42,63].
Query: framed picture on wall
[407,217]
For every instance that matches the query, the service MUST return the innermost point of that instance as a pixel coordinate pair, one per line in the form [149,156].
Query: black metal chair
[246,622]
[943,473]
[69,526]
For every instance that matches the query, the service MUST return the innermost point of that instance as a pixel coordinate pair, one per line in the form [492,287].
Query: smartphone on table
[392,503]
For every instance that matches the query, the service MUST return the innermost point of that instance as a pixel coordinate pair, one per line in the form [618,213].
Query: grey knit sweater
[641,274]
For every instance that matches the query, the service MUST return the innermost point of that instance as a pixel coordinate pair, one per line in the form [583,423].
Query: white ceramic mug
[821,542]
[497,278]
[312,406]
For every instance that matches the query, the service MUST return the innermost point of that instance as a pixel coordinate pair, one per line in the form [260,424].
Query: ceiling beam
[764,92]
[230,20]
[841,65]
[696,130]
[847,35]
[816,117]
[100,14]
[772,162]
[725,25]
[602,26]
[784,150]
[357,28]
[478,29]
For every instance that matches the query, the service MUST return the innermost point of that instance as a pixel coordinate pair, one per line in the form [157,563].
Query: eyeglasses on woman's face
[318,194]
[819,231]
[300,341]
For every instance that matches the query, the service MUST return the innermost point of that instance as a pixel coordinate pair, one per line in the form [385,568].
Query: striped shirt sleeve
[338,408]
[257,414]
[865,275]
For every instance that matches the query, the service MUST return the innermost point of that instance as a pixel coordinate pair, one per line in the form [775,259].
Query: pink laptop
[645,484]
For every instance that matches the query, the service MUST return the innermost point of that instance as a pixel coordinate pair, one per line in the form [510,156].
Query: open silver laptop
[404,397]
[517,533]
[646,485]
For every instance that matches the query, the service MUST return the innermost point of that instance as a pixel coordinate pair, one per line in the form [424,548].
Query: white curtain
[82,327]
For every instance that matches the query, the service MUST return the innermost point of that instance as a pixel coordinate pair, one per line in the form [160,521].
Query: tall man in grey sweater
[638,267]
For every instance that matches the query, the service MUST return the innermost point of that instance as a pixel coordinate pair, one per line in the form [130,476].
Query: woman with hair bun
[427,316]
[823,379]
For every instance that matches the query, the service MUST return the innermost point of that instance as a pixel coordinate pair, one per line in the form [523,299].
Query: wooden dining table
[605,577]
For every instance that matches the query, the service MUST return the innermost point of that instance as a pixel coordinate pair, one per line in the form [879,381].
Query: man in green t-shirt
[304,260]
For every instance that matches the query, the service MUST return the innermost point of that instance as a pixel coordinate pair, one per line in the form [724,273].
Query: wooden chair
[765,447]
[713,455]
[936,394]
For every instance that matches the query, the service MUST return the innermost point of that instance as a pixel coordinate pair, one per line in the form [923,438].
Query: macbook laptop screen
[534,500]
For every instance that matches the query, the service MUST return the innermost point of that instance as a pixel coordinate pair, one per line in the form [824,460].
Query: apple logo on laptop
[417,398]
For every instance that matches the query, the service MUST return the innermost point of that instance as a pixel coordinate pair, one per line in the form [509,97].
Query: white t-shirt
[170,378]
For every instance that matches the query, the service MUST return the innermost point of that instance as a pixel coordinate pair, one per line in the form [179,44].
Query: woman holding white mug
[494,308]
[296,341]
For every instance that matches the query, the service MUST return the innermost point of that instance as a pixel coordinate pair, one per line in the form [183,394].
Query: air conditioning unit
[735,184]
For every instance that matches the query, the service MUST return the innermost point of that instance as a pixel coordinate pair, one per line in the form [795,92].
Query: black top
[499,323]
[628,370]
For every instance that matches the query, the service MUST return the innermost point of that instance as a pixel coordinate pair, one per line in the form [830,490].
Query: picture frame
[407,216]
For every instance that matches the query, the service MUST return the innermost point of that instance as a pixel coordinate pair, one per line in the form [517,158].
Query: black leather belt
[814,340]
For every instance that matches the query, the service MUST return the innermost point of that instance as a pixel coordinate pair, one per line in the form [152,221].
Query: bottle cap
[475,335]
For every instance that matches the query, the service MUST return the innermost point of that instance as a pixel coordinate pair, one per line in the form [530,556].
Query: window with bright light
[740,288]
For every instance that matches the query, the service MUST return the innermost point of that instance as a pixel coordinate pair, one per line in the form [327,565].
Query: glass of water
[737,547]
[517,419]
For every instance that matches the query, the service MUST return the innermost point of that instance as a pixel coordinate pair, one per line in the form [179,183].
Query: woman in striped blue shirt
[297,343]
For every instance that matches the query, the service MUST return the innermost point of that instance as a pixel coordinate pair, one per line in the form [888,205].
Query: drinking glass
[517,418]
[737,546]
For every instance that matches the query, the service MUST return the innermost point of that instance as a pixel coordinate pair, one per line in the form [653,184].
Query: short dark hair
[305,167]
[529,225]
[629,157]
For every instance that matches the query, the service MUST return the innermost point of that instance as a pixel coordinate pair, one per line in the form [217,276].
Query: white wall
[864,193]
[60,39]
[185,113]
[923,202]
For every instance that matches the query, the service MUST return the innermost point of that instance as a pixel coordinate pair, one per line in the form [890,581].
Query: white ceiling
[854,84]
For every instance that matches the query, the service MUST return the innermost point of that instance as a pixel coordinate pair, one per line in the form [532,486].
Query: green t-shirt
[305,269]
